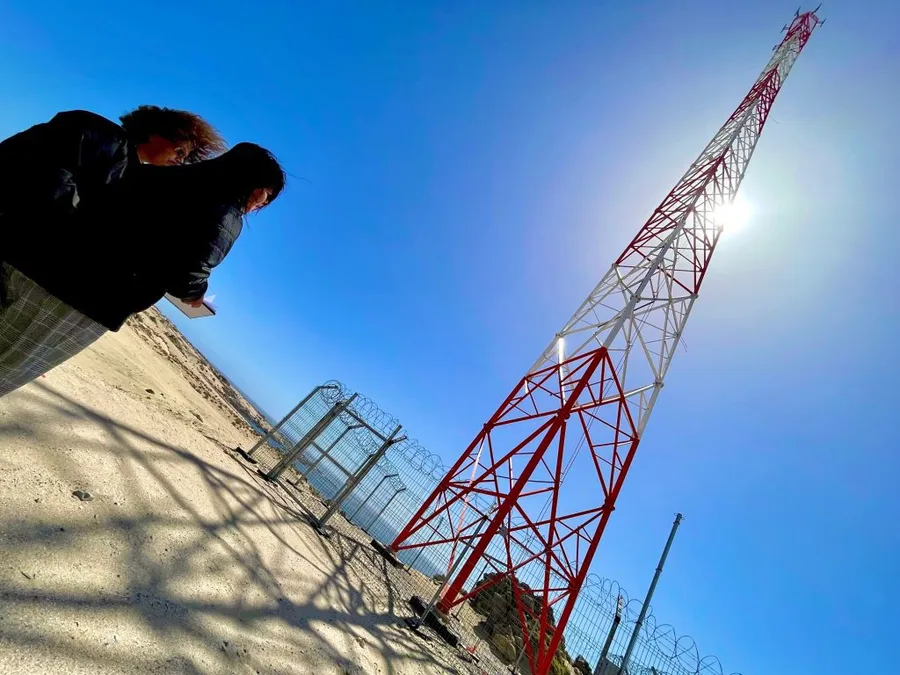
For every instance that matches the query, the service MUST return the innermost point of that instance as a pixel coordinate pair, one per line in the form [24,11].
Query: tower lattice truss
[502,510]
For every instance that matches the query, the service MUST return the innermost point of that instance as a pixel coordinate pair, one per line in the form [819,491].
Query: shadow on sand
[203,569]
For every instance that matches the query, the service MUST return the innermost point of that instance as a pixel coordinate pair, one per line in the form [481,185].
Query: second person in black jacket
[157,230]
[163,229]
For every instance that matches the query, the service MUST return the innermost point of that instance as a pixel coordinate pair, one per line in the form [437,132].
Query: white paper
[192,312]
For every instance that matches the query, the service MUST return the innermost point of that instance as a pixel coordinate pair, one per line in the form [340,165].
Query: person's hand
[194,303]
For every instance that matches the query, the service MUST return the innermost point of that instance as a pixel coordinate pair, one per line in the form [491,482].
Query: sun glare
[733,216]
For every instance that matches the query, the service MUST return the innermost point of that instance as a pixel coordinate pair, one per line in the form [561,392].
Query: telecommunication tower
[583,406]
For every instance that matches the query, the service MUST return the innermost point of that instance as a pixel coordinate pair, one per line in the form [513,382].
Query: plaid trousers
[37,330]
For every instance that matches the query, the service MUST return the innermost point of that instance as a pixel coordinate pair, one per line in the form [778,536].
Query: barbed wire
[679,652]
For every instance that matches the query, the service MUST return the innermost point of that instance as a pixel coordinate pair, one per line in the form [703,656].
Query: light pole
[640,620]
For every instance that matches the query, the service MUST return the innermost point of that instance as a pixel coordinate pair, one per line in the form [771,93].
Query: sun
[733,216]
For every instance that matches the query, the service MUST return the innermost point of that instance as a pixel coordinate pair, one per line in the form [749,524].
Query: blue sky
[464,174]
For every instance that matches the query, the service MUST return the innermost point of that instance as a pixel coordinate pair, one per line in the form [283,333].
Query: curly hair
[176,126]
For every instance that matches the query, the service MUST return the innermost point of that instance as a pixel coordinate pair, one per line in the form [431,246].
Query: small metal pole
[284,419]
[354,480]
[415,559]
[514,668]
[418,555]
[310,436]
[640,620]
[429,608]
[601,662]
[371,494]
[383,509]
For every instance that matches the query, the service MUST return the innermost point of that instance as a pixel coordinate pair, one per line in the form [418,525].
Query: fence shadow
[201,567]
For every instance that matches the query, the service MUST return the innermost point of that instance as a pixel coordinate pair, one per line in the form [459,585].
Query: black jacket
[55,165]
[86,221]
[157,238]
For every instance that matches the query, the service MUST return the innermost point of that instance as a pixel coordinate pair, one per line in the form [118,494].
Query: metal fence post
[383,509]
[268,436]
[601,662]
[354,480]
[308,438]
[371,494]
[327,451]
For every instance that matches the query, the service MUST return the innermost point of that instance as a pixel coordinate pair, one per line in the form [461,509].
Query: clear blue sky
[471,170]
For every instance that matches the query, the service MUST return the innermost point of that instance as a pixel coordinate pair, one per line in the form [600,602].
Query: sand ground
[184,561]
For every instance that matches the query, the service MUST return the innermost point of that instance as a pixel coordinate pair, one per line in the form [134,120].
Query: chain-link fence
[339,449]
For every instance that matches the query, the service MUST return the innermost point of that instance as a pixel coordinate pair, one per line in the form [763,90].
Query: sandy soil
[184,561]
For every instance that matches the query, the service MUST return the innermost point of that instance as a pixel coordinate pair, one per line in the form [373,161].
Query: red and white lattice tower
[581,410]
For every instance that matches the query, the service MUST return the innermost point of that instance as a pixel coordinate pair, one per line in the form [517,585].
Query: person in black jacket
[182,222]
[47,173]
[57,163]
[155,230]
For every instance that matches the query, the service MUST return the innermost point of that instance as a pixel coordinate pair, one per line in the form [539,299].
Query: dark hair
[248,167]
[196,193]
[176,126]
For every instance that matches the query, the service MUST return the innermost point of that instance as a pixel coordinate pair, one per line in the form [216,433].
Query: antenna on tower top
[821,22]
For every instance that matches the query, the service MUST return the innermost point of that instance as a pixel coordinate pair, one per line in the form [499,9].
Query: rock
[505,648]
[581,665]
[83,495]
[149,391]
[497,604]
